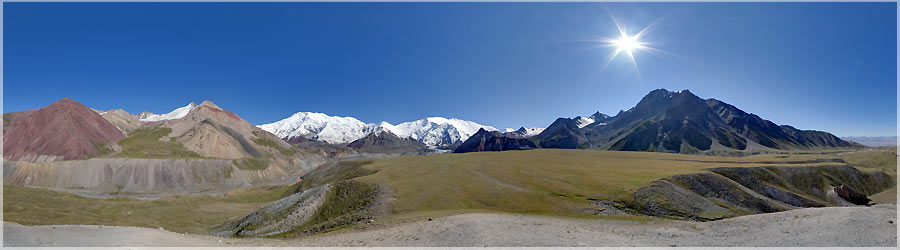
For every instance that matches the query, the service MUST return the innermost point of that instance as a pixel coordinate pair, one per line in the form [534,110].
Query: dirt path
[834,226]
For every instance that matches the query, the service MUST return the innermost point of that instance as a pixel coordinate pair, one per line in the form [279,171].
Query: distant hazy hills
[873,141]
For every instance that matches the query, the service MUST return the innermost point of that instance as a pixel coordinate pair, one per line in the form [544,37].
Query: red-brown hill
[66,128]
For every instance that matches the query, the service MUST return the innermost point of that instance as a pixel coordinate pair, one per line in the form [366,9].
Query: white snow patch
[582,122]
[175,114]
[529,132]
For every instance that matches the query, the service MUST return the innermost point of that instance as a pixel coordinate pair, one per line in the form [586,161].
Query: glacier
[434,132]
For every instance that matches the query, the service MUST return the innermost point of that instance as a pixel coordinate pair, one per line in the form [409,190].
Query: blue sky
[823,66]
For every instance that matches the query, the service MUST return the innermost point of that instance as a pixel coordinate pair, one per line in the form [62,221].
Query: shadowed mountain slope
[562,133]
[484,140]
[383,141]
[681,122]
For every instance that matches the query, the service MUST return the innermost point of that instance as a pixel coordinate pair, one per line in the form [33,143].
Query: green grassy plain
[882,160]
[192,214]
[873,160]
[553,182]
[544,181]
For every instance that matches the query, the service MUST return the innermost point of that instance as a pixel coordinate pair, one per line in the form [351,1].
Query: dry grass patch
[544,181]
[195,214]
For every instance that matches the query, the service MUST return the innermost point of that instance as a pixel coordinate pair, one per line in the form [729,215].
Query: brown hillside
[213,132]
[66,128]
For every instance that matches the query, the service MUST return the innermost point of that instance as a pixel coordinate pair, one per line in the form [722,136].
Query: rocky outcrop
[735,191]
[810,183]
[485,140]
[705,196]
[850,195]
[327,198]
[63,130]
[158,176]
[278,217]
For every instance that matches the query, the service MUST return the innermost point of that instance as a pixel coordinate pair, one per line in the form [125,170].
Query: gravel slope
[833,226]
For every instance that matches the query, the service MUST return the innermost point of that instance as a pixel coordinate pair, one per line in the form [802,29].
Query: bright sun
[627,43]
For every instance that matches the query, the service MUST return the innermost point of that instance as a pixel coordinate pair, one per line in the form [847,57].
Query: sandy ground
[834,226]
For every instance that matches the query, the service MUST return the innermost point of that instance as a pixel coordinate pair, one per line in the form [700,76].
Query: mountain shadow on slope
[383,141]
[484,140]
[681,122]
[562,133]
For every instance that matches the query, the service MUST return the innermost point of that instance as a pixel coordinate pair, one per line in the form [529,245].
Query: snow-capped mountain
[599,118]
[528,132]
[175,114]
[582,121]
[435,132]
[320,127]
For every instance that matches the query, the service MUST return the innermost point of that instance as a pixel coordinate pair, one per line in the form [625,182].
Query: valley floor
[832,226]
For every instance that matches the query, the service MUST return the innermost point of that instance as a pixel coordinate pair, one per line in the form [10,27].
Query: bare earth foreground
[832,226]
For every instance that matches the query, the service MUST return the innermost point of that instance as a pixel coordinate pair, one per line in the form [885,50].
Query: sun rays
[629,44]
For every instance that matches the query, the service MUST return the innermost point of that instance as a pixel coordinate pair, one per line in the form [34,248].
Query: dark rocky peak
[663,95]
[484,140]
[662,103]
[482,131]
[601,117]
[521,130]
[563,123]
[598,116]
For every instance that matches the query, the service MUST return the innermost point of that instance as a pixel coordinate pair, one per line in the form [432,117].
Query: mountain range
[873,141]
[662,121]
[434,132]
[681,122]
[524,132]
[205,147]
[196,148]
[68,130]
